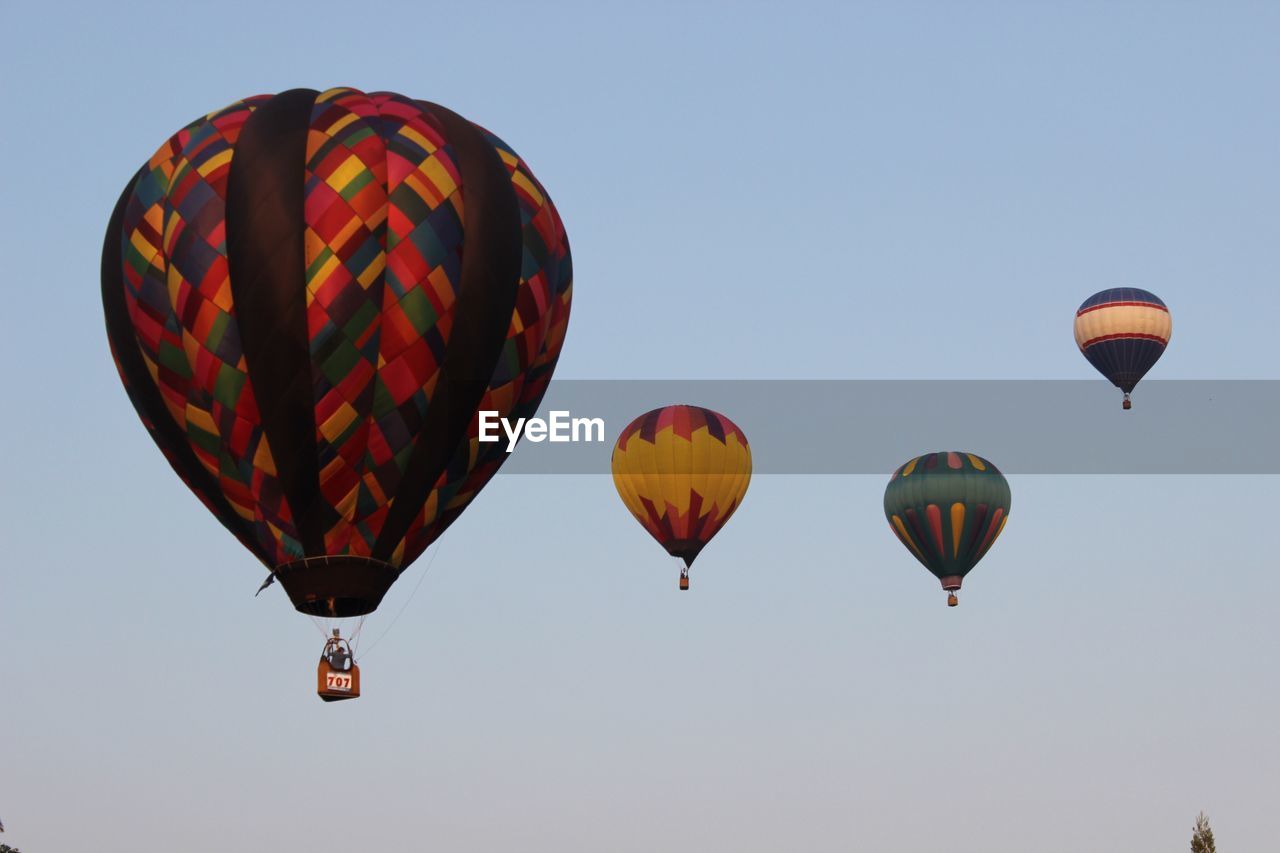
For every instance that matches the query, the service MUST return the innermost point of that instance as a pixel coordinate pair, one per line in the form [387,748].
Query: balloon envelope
[309,296]
[1123,332]
[948,508]
[682,471]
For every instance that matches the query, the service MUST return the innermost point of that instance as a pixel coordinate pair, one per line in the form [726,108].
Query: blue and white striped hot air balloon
[1123,332]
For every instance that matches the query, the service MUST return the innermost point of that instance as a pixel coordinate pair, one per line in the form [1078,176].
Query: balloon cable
[354,639]
[321,624]
[405,606]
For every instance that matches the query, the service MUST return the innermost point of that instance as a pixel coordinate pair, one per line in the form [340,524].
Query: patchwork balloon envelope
[1123,332]
[309,296]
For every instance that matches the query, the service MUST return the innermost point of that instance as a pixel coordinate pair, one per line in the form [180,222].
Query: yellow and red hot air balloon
[682,471]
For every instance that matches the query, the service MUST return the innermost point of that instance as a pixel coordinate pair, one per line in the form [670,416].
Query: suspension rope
[405,606]
[354,639]
[321,625]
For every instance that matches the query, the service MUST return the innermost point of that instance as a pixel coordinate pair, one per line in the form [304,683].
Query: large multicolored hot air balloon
[309,296]
[682,471]
[1123,332]
[948,508]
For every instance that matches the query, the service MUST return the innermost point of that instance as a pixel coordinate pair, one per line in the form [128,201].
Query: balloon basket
[684,583]
[334,685]
[953,600]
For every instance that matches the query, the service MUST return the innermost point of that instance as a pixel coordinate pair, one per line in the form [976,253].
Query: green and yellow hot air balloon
[948,508]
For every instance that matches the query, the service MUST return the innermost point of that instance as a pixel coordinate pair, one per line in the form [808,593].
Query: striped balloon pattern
[1123,332]
[682,471]
[948,509]
[309,296]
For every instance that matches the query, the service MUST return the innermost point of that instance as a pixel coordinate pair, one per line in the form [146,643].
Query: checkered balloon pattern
[383,227]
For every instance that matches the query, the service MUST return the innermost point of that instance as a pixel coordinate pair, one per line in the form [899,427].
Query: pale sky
[800,190]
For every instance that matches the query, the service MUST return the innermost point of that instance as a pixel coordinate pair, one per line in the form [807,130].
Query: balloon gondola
[337,674]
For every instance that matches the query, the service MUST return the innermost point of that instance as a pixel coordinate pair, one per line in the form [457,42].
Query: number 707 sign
[338,680]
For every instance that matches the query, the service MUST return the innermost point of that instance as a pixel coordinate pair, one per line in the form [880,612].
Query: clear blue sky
[752,191]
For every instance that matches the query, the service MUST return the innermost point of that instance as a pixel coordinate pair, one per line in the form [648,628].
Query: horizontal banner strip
[873,426]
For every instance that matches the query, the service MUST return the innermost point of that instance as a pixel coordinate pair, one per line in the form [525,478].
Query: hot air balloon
[309,296]
[948,508]
[1123,332]
[682,471]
